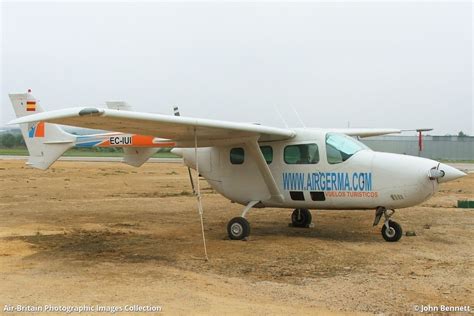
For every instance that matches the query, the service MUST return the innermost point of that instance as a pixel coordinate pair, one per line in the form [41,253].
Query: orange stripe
[105,144]
[147,141]
[141,140]
[31,102]
[39,130]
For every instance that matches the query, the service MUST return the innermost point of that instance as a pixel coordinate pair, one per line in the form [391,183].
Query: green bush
[8,140]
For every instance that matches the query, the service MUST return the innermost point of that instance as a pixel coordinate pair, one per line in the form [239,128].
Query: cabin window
[237,156]
[301,154]
[340,147]
[267,152]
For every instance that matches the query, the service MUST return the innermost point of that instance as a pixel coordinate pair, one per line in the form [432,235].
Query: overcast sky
[390,64]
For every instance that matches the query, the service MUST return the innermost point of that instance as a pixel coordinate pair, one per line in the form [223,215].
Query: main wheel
[238,228]
[393,233]
[301,217]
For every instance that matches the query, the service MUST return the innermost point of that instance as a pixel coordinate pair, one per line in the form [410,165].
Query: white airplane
[253,165]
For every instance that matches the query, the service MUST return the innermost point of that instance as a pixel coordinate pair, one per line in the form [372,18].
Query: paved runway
[466,167]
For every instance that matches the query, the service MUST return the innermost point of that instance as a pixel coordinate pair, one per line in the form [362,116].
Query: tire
[301,217]
[394,233]
[238,228]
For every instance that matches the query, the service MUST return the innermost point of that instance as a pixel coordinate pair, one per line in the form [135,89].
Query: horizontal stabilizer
[49,154]
[366,132]
[137,156]
[119,105]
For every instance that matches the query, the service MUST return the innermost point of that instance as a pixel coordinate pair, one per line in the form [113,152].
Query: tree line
[10,140]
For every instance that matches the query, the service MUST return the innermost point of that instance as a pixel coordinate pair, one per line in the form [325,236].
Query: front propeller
[435,173]
[444,173]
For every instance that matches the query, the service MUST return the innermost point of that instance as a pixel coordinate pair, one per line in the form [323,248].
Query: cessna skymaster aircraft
[253,165]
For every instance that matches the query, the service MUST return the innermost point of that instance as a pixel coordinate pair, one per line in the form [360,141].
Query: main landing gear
[391,230]
[301,217]
[238,228]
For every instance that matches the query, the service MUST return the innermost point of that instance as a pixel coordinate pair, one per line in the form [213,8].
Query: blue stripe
[89,144]
[31,133]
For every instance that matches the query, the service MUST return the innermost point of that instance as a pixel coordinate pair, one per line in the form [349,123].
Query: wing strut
[254,149]
[198,193]
[191,180]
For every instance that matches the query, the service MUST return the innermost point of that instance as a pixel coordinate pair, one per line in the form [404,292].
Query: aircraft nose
[449,173]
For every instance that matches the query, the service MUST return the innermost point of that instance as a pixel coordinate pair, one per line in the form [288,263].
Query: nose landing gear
[391,230]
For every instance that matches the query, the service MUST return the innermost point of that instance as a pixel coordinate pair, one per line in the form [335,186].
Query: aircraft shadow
[338,232]
[102,246]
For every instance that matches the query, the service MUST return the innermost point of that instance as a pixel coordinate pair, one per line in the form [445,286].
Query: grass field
[75,152]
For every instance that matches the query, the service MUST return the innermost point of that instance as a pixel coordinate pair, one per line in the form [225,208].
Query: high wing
[176,128]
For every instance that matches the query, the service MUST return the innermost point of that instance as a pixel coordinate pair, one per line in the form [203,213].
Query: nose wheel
[391,230]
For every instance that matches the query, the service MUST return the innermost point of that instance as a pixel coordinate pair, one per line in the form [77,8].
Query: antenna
[281,116]
[176,111]
[298,116]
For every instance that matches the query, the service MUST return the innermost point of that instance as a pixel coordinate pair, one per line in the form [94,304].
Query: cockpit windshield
[340,147]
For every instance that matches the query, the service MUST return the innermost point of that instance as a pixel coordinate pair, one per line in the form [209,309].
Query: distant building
[434,147]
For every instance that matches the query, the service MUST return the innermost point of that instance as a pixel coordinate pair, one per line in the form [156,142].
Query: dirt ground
[109,234]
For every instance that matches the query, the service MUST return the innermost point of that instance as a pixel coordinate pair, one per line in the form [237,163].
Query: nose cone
[450,173]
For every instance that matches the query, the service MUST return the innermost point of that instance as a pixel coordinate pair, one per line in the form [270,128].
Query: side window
[301,154]
[267,152]
[237,156]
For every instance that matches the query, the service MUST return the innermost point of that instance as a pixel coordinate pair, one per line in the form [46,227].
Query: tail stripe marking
[31,132]
[36,130]
[39,130]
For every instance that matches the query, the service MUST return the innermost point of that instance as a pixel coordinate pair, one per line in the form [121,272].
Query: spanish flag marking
[31,105]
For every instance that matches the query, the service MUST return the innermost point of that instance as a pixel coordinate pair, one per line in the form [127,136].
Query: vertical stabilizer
[45,142]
